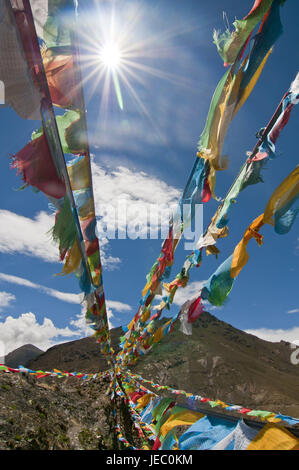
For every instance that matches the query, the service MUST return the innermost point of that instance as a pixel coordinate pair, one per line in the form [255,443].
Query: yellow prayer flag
[183,418]
[282,195]
[73,259]
[240,255]
[79,174]
[273,437]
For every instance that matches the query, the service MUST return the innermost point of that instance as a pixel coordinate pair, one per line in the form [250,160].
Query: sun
[121,49]
[110,56]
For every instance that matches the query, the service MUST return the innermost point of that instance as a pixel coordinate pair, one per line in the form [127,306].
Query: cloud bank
[275,336]
[32,236]
[64,296]
[15,332]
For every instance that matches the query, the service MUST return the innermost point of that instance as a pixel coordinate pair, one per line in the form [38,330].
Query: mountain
[221,362]
[22,355]
[218,361]
[82,355]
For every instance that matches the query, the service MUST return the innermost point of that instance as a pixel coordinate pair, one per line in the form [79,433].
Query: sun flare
[110,56]
[120,52]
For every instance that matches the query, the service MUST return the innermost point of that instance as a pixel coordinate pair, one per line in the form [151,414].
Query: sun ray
[176,79]
[120,51]
[143,108]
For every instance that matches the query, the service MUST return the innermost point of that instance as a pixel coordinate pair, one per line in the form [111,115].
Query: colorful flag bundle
[218,286]
[231,93]
[42,162]
[205,430]
[57,162]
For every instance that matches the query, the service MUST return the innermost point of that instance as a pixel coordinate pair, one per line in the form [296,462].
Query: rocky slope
[53,414]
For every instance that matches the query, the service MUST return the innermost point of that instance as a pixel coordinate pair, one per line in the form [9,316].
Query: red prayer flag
[62,81]
[36,165]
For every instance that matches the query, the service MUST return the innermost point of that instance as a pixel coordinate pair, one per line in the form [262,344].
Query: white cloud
[108,262]
[110,184]
[80,324]
[6,299]
[15,332]
[295,310]
[19,234]
[113,306]
[142,192]
[290,335]
[32,237]
[64,296]
[124,197]
[188,292]
[118,306]
[110,317]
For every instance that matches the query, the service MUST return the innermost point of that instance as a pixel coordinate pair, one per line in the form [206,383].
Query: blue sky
[146,151]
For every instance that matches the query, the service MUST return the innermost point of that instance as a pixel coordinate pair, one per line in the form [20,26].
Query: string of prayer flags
[21,90]
[231,93]
[229,43]
[249,174]
[262,415]
[119,434]
[219,285]
[204,430]
[50,134]
[55,69]
[55,373]
[280,203]
[236,86]
[247,77]
[262,43]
